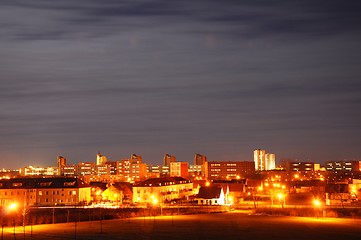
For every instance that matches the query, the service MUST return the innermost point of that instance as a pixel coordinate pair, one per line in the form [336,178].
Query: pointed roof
[209,192]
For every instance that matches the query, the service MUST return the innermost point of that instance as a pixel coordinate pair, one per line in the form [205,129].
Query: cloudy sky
[150,77]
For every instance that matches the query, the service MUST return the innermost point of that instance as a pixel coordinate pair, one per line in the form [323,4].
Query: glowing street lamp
[317,203]
[12,208]
[281,198]
[230,200]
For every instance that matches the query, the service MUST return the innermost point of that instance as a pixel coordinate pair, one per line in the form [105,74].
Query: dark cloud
[217,77]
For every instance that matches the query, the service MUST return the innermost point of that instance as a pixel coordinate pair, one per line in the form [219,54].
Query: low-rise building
[44,191]
[211,195]
[161,190]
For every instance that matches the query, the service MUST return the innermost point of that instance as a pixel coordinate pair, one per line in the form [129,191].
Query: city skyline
[152,77]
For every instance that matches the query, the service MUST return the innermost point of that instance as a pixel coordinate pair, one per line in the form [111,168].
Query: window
[45,184]
[69,183]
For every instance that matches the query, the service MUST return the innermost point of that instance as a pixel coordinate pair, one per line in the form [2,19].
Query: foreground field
[233,225]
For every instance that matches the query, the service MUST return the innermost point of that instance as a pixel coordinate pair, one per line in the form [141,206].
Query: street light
[12,207]
[317,203]
[281,198]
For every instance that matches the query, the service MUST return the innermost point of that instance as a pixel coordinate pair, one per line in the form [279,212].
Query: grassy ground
[232,225]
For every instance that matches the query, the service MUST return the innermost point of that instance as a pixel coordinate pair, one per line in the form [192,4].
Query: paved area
[233,225]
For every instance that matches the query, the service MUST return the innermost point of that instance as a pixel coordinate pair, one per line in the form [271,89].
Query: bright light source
[230,200]
[317,203]
[12,206]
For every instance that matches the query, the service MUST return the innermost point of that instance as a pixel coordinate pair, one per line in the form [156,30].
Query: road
[231,225]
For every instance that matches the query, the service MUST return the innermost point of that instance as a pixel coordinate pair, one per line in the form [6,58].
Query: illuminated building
[168,159]
[343,166]
[230,169]
[178,169]
[195,169]
[212,195]
[101,159]
[102,170]
[264,161]
[200,166]
[113,194]
[300,166]
[132,169]
[161,190]
[38,171]
[86,168]
[113,167]
[70,170]
[44,191]
[157,171]
[270,159]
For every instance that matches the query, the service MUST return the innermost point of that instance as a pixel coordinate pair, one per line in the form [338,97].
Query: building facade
[44,191]
[167,159]
[264,161]
[230,169]
[199,159]
[161,190]
[178,169]
[343,166]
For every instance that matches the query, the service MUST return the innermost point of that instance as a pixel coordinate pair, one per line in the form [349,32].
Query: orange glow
[317,203]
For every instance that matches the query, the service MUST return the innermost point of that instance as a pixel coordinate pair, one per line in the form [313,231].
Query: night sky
[220,78]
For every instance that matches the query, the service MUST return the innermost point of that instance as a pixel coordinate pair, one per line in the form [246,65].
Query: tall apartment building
[178,169]
[61,163]
[270,161]
[167,159]
[230,169]
[199,159]
[132,169]
[136,158]
[101,160]
[264,161]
